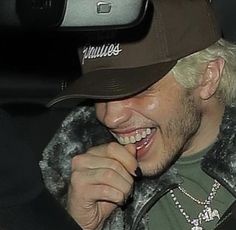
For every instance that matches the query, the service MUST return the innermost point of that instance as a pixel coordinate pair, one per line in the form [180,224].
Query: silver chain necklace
[206,215]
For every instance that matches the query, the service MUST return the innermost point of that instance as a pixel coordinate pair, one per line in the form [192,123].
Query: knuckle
[113,195]
[92,149]
[121,198]
[106,192]
[95,149]
[80,162]
[111,147]
[108,174]
[75,179]
[118,197]
[75,161]
[116,166]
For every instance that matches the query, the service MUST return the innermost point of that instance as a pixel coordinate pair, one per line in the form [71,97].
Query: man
[167,100]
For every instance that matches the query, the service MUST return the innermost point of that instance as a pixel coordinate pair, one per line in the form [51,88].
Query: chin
[156,163]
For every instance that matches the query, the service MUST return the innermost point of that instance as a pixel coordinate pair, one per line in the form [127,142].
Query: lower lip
[144,146]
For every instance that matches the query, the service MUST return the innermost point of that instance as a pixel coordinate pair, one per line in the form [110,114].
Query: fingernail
[138,172]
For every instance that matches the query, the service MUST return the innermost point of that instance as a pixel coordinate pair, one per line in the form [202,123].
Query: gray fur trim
[220,161]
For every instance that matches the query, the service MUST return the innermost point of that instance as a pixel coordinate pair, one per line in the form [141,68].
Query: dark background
[32,66]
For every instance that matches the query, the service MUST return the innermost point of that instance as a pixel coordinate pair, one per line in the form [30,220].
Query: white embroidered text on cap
[106,50]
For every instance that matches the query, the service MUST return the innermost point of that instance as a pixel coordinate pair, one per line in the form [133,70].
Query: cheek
[149,107]
[152,106]
[182,123]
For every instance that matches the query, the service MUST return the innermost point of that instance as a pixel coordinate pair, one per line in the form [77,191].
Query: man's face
[160,121]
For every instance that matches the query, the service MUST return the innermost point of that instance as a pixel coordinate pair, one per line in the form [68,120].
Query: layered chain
[207,214]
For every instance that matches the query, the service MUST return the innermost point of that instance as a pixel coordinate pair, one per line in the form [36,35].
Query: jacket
[80,130]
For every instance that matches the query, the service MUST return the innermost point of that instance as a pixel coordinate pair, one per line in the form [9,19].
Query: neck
[208,130]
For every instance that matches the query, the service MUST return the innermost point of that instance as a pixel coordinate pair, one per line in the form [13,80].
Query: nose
[113,113]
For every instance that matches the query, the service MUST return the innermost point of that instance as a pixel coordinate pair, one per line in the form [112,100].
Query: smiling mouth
[137,137]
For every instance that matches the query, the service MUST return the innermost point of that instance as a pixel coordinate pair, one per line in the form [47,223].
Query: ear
[210,79]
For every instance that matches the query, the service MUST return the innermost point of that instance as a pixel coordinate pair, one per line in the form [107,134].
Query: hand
[101,180]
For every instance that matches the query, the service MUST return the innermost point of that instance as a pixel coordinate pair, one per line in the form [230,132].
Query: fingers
[108,177]
[93,163]
[90,170]
[124,155]
[100,185]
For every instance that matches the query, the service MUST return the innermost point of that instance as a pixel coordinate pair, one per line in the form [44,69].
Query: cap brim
[44,212]
[114,83]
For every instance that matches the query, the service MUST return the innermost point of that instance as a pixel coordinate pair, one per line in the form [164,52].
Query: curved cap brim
[114,83]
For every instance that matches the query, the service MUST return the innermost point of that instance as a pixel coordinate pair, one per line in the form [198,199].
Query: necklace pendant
[215,213]
[195,222]
[209,214]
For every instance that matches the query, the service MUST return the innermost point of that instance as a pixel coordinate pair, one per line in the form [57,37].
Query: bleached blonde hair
[188,69]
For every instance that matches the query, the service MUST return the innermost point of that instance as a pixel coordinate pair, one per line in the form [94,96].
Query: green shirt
[164,215]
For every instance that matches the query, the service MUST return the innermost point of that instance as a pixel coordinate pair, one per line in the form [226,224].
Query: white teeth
[143,134]
[138,137]
[148,131]
[133,139]
[121,140]
[126,140]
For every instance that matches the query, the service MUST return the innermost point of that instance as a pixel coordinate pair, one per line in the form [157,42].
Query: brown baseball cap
[118,69]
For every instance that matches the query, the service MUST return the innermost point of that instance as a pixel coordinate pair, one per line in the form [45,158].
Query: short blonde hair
[188,69]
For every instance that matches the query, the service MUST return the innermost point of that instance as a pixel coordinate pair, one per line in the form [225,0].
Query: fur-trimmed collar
[220,161]
[80,130]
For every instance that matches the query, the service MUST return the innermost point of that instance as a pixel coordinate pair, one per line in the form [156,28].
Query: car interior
[39,41]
